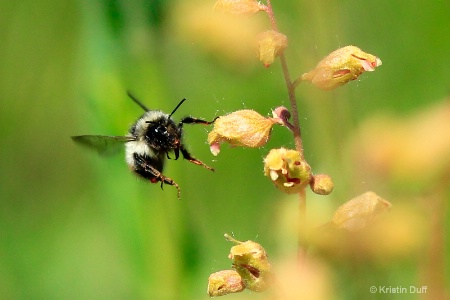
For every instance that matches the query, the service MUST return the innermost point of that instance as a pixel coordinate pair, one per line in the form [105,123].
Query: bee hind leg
[146,170]
[169,181]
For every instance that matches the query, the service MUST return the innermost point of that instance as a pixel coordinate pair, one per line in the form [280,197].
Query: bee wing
[104,145]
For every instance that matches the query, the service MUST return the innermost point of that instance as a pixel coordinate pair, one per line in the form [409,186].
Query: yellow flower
[341,66]
[251,262]
[287,170]
[270,44]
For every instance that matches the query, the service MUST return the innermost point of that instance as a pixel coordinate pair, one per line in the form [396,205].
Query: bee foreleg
[189,157]
[192,120]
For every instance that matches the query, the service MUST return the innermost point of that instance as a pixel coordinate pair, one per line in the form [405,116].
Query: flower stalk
[296,131]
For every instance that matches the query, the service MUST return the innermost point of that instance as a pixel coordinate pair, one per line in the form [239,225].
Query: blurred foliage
[76,226]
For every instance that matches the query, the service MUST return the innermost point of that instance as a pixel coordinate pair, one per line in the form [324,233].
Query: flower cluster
[286,168]
[251,270]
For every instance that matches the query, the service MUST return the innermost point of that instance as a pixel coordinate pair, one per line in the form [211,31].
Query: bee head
[163,134]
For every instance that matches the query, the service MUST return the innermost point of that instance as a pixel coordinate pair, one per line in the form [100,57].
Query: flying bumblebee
[148,143]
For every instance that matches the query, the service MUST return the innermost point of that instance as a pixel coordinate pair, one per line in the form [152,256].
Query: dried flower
[357,213]
[239,7]
[413,150]
[251,262]
[287,169]
[245,128]
[270,44]
[224,282]
[341,66]
[361,228]
[321,184]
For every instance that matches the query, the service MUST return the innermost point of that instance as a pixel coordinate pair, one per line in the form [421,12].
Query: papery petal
[245,128]
[340,67]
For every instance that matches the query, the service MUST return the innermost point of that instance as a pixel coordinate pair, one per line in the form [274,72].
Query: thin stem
[290,87]
[271,16]
[294,109]
[296,131]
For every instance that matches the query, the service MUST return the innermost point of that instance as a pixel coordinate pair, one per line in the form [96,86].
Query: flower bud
[321,184]
[287,169]
[357,213]
[251,262]
[245,128]
[224,282]
[341,66]
[270,44]
[239,7]
[282,115]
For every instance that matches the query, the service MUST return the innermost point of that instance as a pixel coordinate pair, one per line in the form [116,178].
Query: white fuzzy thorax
[139,146]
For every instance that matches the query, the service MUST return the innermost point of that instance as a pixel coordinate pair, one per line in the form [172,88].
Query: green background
[77,226]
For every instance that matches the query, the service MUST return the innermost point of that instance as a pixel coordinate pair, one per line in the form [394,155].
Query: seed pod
[322,184]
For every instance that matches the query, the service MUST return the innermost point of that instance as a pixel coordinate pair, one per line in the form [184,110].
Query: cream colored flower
[341,66]
[245,128]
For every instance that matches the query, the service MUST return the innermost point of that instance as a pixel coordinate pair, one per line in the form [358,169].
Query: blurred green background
[74,225]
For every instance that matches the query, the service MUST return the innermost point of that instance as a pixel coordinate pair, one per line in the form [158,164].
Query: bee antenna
[179,104]
[137,101]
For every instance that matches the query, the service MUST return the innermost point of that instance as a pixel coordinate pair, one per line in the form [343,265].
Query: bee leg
[169,181]
[189,157]
[192,120]
[153,174]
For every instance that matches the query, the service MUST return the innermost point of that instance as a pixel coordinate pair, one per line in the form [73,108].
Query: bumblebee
[148,143]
